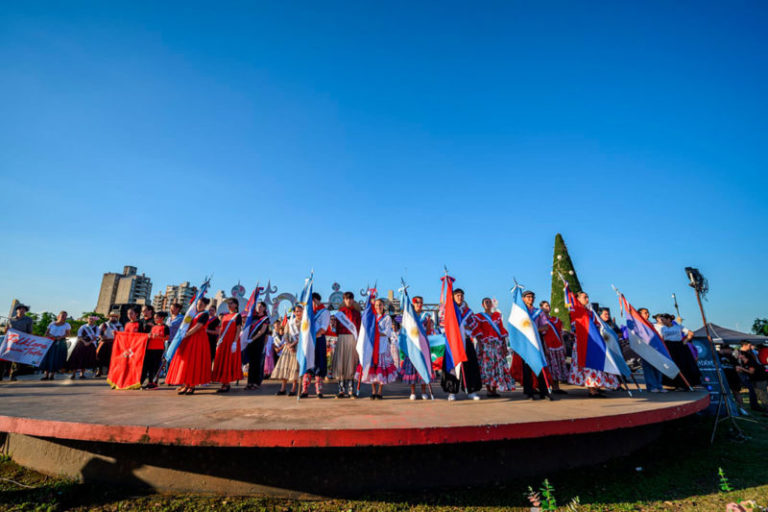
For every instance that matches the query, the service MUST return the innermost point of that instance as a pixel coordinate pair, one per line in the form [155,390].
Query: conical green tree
[562,265]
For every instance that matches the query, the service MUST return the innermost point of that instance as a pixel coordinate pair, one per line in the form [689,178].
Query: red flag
[451,325]
[127,360]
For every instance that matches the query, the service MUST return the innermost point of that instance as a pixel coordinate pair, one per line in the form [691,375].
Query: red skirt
[191,365]
[227,365]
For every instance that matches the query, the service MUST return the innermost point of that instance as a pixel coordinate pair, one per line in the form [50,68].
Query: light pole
[701,287]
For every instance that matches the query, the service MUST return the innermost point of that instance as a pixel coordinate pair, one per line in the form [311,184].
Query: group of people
[214,350]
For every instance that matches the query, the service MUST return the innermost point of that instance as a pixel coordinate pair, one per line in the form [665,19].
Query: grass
[679,472]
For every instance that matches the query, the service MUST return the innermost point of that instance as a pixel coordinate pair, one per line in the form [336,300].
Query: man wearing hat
[22,323]
[541,325]
[107,332]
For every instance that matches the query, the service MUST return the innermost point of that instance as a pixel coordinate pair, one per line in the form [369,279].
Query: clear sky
[370,140]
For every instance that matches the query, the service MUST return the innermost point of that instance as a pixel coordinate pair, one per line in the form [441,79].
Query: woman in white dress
[383,370]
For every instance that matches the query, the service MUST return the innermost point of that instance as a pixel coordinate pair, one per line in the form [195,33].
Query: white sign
[21,347]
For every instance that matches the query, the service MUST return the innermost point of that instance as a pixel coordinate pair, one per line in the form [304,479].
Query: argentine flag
[523,335]
[305,350]
[614,358]
[184,327]
[414,341]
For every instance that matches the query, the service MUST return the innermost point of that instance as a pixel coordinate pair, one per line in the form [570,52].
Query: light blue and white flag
[413,339]
[523,336]
[305,350]
[184,327]
[614,349]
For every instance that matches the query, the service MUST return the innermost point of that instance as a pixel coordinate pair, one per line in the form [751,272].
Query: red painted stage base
[243,443]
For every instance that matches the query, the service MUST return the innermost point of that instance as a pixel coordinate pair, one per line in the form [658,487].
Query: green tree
[562,265]
[41,323]
[760,326]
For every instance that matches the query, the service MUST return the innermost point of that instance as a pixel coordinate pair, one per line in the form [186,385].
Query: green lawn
[679,472]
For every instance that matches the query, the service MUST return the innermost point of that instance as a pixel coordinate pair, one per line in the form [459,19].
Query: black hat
[20,305]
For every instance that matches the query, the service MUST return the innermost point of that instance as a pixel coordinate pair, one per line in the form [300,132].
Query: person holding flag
[153,356]
[584,325]
[541,327]
[189,353]
[492,351]
[554,349]
[524,340]
[410,374]
[287,367]
[319,369]
[460,367]
[227,365]
[344,360]
[382,369]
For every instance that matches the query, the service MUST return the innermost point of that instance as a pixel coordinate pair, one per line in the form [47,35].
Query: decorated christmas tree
[562,265]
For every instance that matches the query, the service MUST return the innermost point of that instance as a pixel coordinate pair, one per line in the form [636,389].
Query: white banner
[21,347]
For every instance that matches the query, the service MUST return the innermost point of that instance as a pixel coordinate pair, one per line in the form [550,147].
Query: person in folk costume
[469,377]
[677,339]
[287,367]
[254,351]
[345,356]
[174,319]
[592,379]
[84,354]
[56,356]
[227,364]
[322,321]
[492,350]
[107,332]
[153,358]
[554,349]
[133,324]
[527,375]
[212,330]
[382,370]
[191,365]
[408,371]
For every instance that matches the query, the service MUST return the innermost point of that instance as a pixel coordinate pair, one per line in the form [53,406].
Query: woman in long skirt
[84,354]
[191,365]
[56,357]
[287,367]
[383,369]
[255,348]
[227,365]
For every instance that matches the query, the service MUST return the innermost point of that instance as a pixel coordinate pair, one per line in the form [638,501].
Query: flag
[455,354]
[524,338]
[127,360]
[184,327]
[414,341]
[367,335]
[646,342]
[614,349]
[305,350]
[250,308]
[592,351]
[436,350]
[24,348]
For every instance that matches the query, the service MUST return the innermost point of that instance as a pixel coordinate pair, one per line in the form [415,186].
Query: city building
[182,293]
[125,288]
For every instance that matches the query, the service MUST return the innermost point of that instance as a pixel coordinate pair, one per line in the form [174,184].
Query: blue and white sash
[493,324]
[346,322]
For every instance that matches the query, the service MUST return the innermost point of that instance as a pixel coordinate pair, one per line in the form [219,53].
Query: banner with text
[21,347]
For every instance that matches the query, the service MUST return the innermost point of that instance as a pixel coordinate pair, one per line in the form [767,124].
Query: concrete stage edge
[418,451]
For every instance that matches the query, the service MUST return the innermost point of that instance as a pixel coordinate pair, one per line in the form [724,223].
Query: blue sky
[373,140]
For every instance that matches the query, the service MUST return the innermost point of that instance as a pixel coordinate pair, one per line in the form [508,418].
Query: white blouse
[675,332]
[58,331]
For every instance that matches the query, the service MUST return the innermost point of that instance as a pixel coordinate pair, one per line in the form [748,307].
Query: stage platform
[255,442]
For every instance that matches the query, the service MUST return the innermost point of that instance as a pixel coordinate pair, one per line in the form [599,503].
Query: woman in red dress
[191,365]
[227,365]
